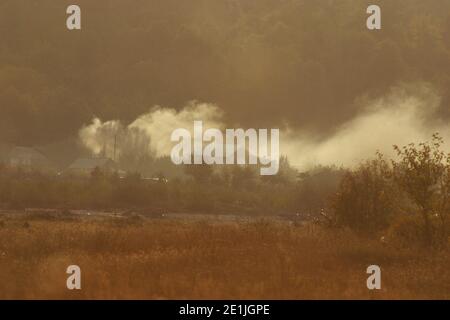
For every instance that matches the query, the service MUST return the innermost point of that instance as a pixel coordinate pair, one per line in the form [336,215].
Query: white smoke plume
[406,114]
[150,132]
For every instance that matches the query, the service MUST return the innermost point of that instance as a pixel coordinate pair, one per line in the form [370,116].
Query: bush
[422,172]
[365,199]
[407,230]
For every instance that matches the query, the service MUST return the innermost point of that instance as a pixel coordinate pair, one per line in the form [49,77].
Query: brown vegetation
[157,259]
[411,194]
[393,214]
[229,189]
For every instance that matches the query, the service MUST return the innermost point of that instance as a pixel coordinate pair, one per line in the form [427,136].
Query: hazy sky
[308,67]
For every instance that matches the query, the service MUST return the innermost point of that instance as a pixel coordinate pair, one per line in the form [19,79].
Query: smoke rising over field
[404,114]
[298,63]
[89,174]
[150,132]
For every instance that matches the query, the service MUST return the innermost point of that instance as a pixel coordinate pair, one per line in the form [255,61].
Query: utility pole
[104,149]
[115,146]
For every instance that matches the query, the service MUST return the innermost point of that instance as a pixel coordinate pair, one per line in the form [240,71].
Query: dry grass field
[140,258]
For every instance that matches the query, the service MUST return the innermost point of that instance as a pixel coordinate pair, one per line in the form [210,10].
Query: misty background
[337,91]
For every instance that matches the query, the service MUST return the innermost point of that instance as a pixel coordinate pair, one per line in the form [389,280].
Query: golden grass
[158,259]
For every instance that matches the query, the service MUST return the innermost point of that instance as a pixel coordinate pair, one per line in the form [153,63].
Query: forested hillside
[263,61]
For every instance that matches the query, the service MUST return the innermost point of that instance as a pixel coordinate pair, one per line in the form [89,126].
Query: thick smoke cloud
[406,114]
[150,132]
[263,62]
[403,115]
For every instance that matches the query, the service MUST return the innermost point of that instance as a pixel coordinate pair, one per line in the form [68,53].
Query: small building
[28,158]
[85,166]
[4,153]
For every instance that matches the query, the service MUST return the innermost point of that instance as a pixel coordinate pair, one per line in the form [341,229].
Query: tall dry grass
[138,258]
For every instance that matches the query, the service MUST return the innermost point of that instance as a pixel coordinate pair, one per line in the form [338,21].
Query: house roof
[91,163]
[28,153]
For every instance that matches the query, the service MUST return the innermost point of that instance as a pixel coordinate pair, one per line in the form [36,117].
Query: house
[4,153]
[26,157]
[85,166]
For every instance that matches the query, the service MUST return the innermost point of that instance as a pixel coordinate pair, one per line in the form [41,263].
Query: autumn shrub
[405,231]
[410,196]
[422,172]
[366,199]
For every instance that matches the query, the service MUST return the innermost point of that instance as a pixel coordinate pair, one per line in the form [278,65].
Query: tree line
[406,198]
